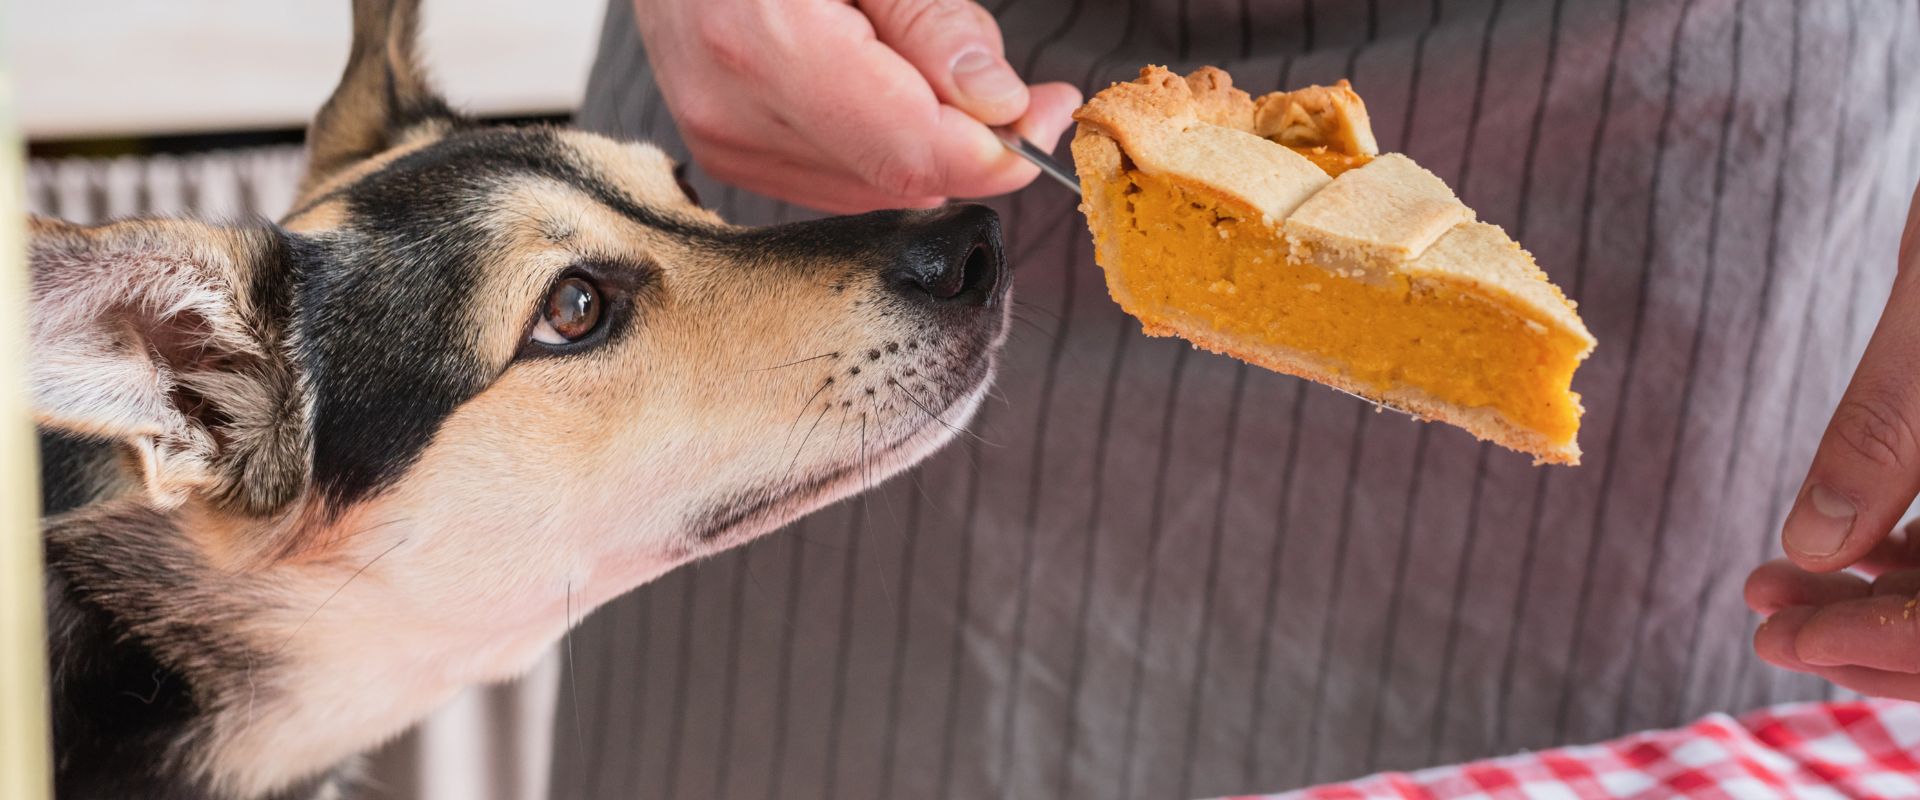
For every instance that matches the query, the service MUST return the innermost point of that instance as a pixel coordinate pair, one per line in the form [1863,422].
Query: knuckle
[702,121]
[905,175]
[727,42]
[916,19]
[981,16]
[1874,426]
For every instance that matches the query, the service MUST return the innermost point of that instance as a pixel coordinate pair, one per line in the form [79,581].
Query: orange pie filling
[1392,333]
[1330,160]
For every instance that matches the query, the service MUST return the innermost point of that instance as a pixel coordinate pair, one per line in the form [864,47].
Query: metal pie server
[1038,157]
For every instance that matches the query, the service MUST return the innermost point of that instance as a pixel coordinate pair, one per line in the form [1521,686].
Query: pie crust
[1444,317]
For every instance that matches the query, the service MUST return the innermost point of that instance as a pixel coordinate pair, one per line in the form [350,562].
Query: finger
[1774,640]
[1867,468]
[956,46]
[975,163]
[1873,682]
[1774,643]
[782,164]
[1779,584]
[1905,583]
[891,132]
[947,154]
[1899,551]
[1050,109]
[821,188]
[1876,632]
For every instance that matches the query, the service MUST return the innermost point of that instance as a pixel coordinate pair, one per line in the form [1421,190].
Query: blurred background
[196,108]
[117,71]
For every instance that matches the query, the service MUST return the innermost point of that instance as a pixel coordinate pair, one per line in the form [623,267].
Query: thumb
[956,46]
[1867,468]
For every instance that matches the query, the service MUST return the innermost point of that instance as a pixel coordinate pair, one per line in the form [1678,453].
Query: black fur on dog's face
[709,342]
[479,378]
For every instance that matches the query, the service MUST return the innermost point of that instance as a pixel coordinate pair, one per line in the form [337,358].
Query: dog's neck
[253,682]
[144,659]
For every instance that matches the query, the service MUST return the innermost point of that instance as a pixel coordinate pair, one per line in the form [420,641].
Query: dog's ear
[383,97]
[167,336]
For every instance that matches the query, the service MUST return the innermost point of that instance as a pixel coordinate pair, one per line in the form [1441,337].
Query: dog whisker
[834,354]
[866,475]
[972,458]
[1026,306]
[842,430]
[921,485]
[884,497]
[746,563]
[886,587]
[573,678]
[298,545]
[866,467]
[336,593]
[936,417]
[1050,335]
[803,445]
[804,405]
[252,692]
[814,542]
[366,530]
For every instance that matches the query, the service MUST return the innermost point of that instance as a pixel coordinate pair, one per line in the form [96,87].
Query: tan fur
[556,485]
[746,395]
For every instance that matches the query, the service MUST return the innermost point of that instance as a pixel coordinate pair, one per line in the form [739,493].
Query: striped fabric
[1160,573]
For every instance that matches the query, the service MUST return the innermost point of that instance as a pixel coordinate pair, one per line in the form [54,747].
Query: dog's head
[507,362]
[515,327]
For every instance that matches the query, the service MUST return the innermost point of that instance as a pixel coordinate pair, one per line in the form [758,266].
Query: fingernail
[985,78]
[1819,523]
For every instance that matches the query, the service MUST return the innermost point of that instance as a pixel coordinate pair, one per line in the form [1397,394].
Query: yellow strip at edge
[24,754]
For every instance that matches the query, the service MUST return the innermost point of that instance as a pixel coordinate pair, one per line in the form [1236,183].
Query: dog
[306,480]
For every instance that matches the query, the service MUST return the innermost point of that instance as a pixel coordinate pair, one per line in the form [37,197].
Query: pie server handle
[1025,149]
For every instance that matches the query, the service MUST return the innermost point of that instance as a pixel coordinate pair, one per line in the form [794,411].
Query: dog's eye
[686,186]
[571,311]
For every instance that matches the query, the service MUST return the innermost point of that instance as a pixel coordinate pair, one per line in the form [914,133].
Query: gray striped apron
[1161,573]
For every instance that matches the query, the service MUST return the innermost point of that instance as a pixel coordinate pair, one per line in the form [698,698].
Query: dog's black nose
[954,257]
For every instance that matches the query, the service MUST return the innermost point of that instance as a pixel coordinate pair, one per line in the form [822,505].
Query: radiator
[235,184]
[491,743]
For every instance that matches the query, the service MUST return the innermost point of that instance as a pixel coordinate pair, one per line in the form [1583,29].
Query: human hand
[1865,636]
[1862,633]
[1867,468]
[846,108]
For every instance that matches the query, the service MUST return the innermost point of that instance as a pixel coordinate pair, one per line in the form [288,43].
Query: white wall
[124,67]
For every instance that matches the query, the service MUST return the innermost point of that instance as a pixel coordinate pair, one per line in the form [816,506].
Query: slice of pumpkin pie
[1273,230]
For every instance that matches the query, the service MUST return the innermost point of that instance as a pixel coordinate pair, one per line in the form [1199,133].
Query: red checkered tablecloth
[1868,749]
